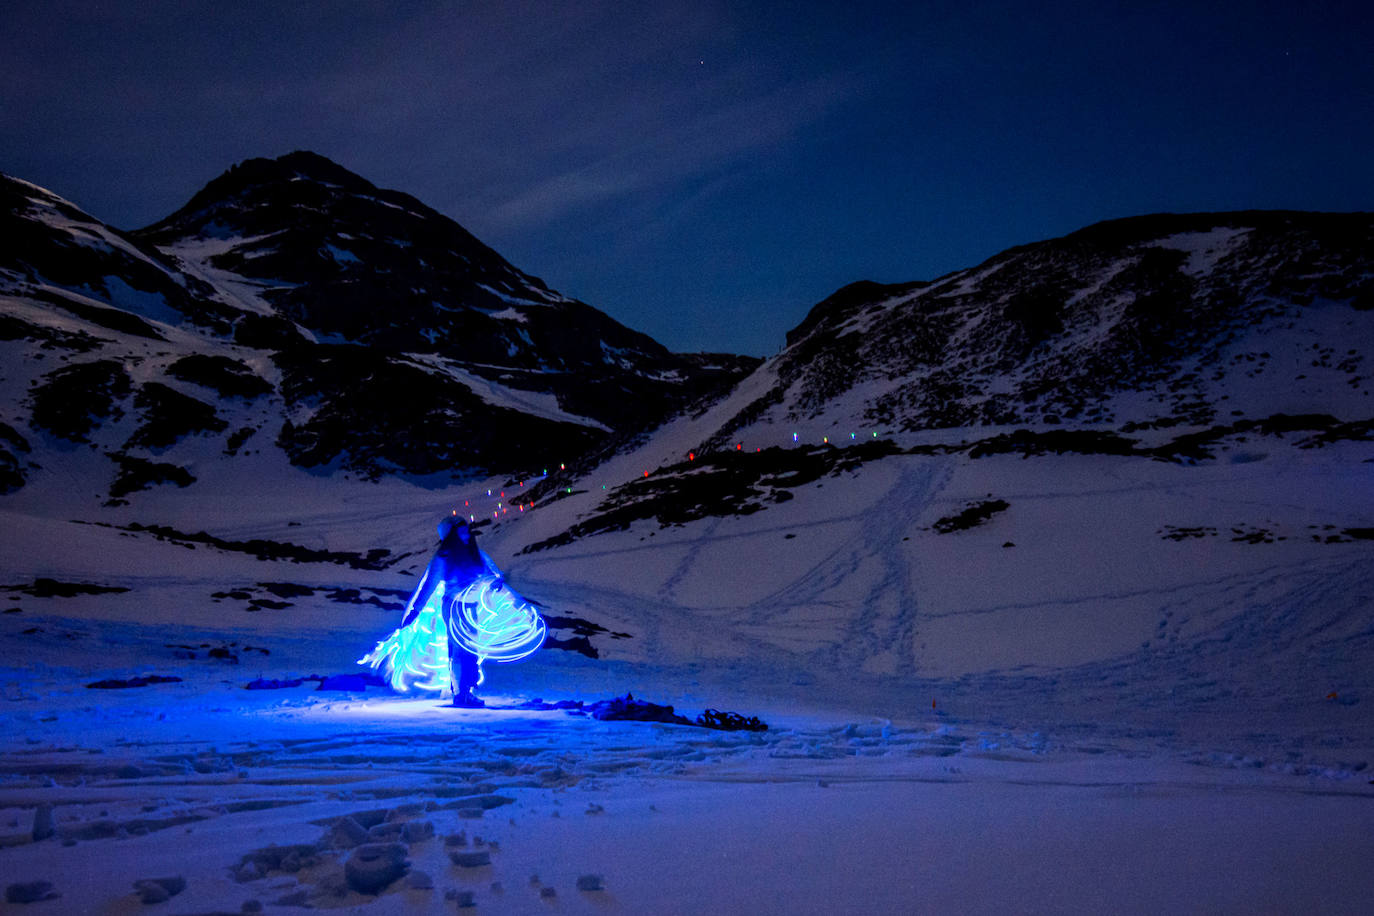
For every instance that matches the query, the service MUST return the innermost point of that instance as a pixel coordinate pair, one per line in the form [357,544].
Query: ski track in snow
[892,606]
[689,562]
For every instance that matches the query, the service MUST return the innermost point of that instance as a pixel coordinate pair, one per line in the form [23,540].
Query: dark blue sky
[706,172]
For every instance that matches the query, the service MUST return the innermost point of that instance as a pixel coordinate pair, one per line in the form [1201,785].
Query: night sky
[706,172]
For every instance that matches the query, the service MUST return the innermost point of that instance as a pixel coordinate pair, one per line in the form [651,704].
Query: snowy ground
[823,813]
[817,815]
[1104,717]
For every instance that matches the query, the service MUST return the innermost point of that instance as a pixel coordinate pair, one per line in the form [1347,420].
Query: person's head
[456,527]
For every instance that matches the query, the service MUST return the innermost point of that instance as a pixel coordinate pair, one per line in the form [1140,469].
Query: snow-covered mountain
[293,306]
[1167,319]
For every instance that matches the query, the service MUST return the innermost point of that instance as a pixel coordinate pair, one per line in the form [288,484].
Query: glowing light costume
[463,610]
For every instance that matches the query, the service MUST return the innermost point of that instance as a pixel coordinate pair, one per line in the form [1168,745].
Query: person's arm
[491,568]
[428,583]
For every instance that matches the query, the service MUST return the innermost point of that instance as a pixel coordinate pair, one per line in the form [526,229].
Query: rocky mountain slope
[293,306]
[1166,319]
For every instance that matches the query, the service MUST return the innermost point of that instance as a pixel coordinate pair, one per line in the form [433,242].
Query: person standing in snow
[456,564]
[461,615]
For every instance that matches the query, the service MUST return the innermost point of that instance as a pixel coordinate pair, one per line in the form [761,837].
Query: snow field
[813,816]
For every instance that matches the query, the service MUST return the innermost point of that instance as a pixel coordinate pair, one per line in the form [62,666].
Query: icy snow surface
[194,256]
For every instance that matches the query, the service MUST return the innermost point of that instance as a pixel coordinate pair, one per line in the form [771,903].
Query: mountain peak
[310,164]
[296,176]
[296,164]
[398,342]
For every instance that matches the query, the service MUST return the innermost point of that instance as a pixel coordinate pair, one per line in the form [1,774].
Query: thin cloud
[679,152]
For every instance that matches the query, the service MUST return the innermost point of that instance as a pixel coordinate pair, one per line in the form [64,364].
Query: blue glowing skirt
[486,618]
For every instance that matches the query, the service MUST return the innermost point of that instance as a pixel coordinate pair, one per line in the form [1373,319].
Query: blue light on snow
[488,619]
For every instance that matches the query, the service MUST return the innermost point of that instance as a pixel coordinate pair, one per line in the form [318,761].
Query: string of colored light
[503,506]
